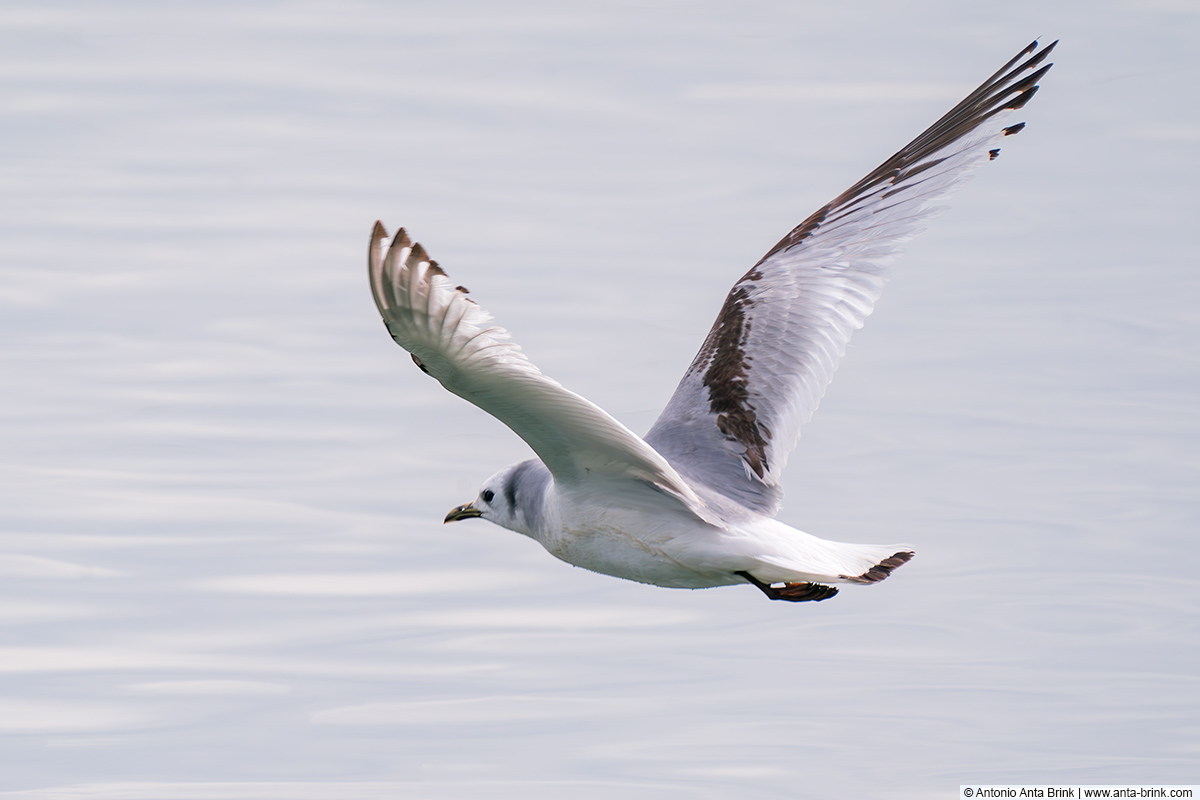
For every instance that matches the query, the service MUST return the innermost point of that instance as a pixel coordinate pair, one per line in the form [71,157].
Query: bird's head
[512,498]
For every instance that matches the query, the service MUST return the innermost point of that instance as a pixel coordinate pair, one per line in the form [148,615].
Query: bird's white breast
[654,543]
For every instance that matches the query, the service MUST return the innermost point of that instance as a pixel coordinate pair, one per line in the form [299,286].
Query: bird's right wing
[450,339]
[736,415]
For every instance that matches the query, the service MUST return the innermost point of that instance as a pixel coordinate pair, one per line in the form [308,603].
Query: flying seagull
[692,505]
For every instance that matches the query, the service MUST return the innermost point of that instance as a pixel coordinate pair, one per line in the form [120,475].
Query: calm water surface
[223,572]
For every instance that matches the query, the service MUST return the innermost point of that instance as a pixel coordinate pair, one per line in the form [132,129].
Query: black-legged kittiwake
[693,503]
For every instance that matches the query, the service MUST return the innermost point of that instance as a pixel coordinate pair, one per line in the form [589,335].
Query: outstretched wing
[449,338]
[736,415]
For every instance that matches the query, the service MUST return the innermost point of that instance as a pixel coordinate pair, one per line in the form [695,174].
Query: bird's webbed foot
[792,592]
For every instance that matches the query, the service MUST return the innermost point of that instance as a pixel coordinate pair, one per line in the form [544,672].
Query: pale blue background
[223,572]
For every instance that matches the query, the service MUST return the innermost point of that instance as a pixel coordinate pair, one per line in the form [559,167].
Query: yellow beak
[462,512]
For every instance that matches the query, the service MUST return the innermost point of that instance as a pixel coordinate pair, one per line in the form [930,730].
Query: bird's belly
[645,550]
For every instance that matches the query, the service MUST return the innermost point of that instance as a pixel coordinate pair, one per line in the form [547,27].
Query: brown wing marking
[726,371]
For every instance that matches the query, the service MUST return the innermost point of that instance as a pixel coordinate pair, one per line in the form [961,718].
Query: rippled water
[224,573]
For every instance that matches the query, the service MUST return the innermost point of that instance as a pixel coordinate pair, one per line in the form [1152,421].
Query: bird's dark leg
[792,592]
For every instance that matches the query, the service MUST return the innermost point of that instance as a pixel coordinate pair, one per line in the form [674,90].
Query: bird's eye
[487,495]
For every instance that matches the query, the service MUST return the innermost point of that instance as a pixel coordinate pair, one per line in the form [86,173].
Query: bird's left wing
[450,338]
[764,367]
